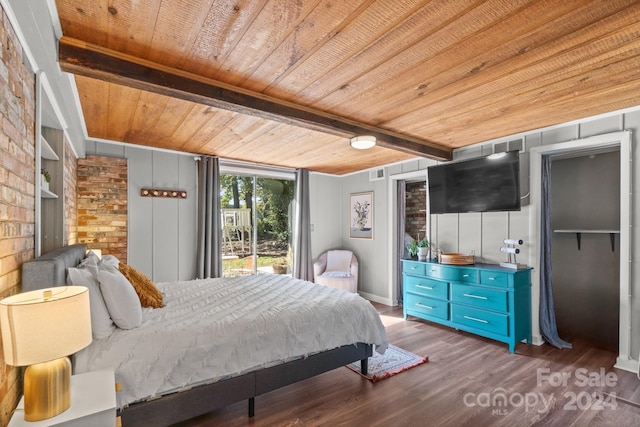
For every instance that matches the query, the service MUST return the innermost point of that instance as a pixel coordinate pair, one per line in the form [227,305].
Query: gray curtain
[548,326]
[400,250]
[302,261]
[208,253]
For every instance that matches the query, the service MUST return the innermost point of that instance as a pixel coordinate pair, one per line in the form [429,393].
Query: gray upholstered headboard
[50,269]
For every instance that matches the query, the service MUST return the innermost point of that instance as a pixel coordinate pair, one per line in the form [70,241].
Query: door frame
[392,214]
[621,140]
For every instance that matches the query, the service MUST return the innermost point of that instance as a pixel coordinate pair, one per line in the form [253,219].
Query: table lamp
[40,329]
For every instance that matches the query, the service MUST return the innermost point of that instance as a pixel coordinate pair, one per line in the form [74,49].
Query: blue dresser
[484,299]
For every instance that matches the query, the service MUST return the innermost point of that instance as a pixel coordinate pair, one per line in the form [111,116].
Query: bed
[233,339]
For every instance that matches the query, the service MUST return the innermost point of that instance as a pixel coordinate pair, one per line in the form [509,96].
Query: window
[257,220]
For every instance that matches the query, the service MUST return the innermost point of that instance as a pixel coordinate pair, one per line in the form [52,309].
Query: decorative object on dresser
[457,259]
[484,299]
[419,248]
[39,330]
[511,251]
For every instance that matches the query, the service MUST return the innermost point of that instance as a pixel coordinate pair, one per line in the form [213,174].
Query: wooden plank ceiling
[286,82]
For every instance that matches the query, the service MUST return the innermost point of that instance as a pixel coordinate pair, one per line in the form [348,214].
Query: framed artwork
[361,214]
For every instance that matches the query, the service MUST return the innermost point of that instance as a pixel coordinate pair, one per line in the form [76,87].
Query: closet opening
[585,223]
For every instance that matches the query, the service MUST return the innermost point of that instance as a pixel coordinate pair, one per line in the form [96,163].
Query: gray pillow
[120,297]
[101,324]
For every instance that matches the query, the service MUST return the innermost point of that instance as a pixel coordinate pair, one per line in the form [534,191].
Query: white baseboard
[537,340]
[378,299]
[626,364]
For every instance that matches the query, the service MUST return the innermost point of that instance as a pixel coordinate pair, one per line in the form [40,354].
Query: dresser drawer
[494,278]
[428,306]
[480,319]
[478,296]
[454,274]
[468,275]
[427,287]
[413,267]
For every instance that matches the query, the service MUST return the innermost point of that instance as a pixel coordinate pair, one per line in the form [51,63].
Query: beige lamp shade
[44,325]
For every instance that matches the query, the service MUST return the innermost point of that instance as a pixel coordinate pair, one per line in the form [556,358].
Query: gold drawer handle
[424,306]
[475,320]
[475,296]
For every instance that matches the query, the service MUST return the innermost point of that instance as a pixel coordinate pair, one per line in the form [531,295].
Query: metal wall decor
[172,194]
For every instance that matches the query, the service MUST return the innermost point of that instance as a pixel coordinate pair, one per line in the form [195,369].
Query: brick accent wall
[70,231]
[102,205]
[416,203]
[17,186]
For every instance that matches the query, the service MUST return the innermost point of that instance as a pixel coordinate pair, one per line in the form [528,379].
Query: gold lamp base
[47,389]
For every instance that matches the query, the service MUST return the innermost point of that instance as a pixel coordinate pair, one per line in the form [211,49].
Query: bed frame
[50,270]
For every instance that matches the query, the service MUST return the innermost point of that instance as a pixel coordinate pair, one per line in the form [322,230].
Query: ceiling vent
[376,174]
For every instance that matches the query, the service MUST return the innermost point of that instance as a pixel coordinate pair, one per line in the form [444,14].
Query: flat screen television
[485,184]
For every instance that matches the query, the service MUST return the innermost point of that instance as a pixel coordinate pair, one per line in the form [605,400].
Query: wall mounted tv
[485,184]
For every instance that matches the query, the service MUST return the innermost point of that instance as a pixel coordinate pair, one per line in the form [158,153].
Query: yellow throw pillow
[147,291]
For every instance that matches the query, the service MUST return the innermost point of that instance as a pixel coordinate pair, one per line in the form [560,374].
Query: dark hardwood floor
[469,381]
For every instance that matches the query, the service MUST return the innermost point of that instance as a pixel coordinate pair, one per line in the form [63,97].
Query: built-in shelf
[46,152]
[46,194]
[579,232]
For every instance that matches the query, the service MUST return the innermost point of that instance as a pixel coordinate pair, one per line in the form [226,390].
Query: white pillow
[120,297]
[91,257]
[90,262]
[110,260]
[338,260]
[101,324]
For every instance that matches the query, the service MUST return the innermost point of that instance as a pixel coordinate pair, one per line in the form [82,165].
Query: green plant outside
[263,261]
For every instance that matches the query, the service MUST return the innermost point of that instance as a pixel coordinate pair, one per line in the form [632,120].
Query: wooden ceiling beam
[79,57]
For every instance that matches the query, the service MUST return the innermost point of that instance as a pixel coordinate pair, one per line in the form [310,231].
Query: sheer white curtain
[302,260]
[209,256]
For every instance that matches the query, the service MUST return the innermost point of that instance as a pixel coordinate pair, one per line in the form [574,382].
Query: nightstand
[93,403]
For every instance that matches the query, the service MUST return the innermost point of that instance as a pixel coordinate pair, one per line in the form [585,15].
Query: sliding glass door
[257,219]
